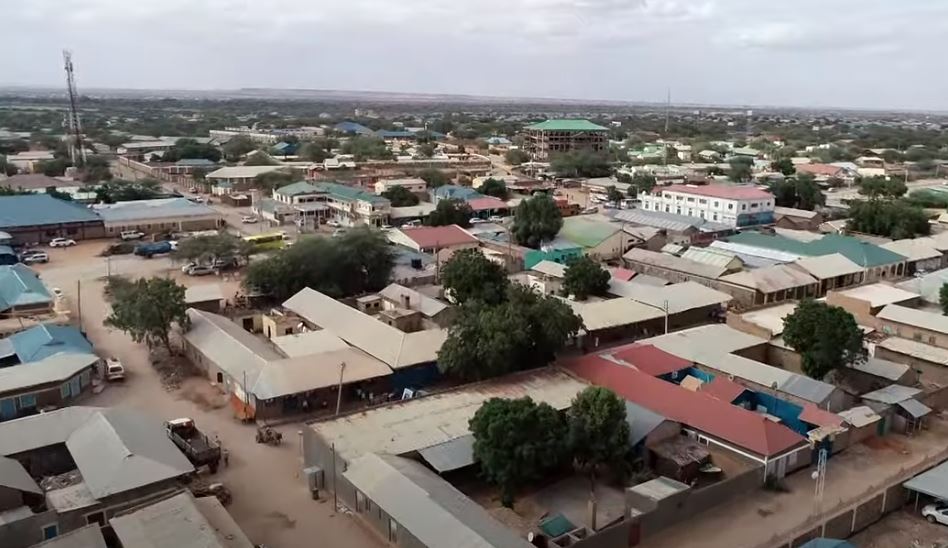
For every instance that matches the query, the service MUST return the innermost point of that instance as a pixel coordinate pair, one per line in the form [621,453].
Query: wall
[617,535]
[10,498]
[919,334]
[784,358]
[928,372]
[859,308]
[26,532]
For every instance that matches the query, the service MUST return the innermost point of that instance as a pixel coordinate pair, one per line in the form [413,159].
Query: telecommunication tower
[77,152]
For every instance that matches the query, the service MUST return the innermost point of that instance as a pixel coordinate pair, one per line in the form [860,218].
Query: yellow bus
[264,242]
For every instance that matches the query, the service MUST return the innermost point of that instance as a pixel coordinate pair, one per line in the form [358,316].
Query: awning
[915,408]
[934,482]
[450,455]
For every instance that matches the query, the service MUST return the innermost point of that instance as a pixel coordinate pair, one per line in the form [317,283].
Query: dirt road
[270,503]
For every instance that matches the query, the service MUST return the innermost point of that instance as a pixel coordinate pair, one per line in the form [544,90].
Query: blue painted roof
[20,286]
[353,127]
[41,209]
[827,543]
[455,192]
[45,340]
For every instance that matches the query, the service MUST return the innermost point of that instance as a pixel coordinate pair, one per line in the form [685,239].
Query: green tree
[896,219]
[358,262]
[6,168]
[783,165]
[367,148]
[800,192]
[118,190]
[313,152]
[641,182]
[585,277]
[237,146]
[494,187]
[198,175]
[827,337]
[582,163]
[147,309]
[741,169]
[469,275]
[881,187]
[275,179]
[96,169]
[426,150]
[434,177]
[450,212]
[943,298]
[191,149]
[715,171]
[204,249]
[614,195]
[598,433]
[516,442]
[260,158]
[400,196]
[536,220]
[516,156]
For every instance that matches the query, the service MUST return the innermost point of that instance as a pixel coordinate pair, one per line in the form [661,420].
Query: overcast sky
[848,53]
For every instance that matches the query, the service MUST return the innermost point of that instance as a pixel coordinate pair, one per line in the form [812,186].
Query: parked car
[62,242]
[495,219]
[248,219]
[150,250]
[114,370]
[38,257]
[476,220]
[334,224]
[200,270]
[936,513]
[128,235]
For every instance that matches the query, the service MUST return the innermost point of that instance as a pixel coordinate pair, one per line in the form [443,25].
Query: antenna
[668,102]
[77,152]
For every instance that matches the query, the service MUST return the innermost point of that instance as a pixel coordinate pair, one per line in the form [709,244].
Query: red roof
[650,359]
[723,389]
[736,425]
[727,192]
[812,414]
[623,274]
[439,236]
[486,204]
[819,169]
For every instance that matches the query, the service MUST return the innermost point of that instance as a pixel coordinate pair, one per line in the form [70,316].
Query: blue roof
[455,192]
[41,209]
[20,286]
[353,127]
[45,340]
[285,148]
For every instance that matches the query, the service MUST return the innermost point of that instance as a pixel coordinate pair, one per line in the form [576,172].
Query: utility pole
[668,101]
[77,152]
[342,370]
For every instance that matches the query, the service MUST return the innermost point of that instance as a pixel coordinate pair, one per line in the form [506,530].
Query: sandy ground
[271,502]
[903,529]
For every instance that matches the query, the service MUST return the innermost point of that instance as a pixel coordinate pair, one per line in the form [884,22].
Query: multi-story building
[348,205]
[731,205]
[558,136]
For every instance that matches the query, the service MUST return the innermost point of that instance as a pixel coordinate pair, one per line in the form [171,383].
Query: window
[717,203]
[64,390]
[50,531]
[691,200]
[27,401]
[730,206]
[743,207]
[702,201]
[917,336]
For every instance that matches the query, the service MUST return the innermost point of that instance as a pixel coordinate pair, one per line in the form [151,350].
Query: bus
[263,242]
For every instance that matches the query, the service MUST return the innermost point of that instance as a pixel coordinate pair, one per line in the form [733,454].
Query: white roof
[753,251]
[881,368]
[859,416]
[938,240]
[771,278]
[928,286]
[419,423]
[829,266]
[241,172]
[14,476]
[712,256]
[550,268]
[916,350]
[879,294]
[203,293]
[894,393]
[175,521]
[713,338]
[915,318]
[56,368]
[671,262]
[428,306]
[613,313]
[308,343]
[386,343]
[793,212]
[913,249]
[770,318]
[678,297]
[315,371]
[798,235]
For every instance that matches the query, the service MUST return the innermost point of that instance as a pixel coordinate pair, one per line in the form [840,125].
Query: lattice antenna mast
[77,152]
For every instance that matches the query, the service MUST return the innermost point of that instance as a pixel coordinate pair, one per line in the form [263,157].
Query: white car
[114,370]
[495,219]
[936,513]
[476,220]
[248,219]
[61,242]
[129,235]
[38,257]
[334,224]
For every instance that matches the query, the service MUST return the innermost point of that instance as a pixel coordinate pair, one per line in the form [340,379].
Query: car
[200,270]
[38,257]
[173,244]
[936,513]
[129,235]
[62,242]
[476,220]
[114,370]
[248,219]
[495,219]
[187,266]
[334,224]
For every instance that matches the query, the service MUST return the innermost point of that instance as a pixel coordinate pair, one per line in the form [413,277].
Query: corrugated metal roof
[892,394]
[916,349]
[647,358]
[712,256]
[20,286]
[57,368]
[89,536]
[793,212]
[145,210]
[610,313]
[862,253]
[670,221]
[659,488]
[771,278]
[203,293]
[829,266]
[450,455]
[550,268]
[241,172]
[641,421]
[933,482]
[315,371]
[587,232]
[308,343]
[770,318]
[915,408]
[565,125]
[915,318]
[723,389]
[176,521]
[36,431]
[712,338]
[677,298]
[881,368]
[14,476]
[640,256]
[428,306]
[928,285]
[914,250]
[426,506]
[41,209]
[755,256]
[235,350]
[879,294]
[45,340]
[766,376]
[859,416]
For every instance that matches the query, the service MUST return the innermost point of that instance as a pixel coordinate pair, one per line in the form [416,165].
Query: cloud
[795,37]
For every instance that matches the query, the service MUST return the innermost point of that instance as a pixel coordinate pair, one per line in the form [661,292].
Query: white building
[413,185]
[733,205]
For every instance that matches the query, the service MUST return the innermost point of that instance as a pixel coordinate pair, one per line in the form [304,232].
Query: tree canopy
[494,187]
[314,151]
[641,182]
[536,220]
[275,179]
[357,262]
[237,146]
[581,163]
[260,158]
[7,168]
[400,196]
[741,169]
[209,248]
[367,148]
[118,190]
[881,187]
[434,177]
[468,275]
[450,212]
[943,298]
[516,156]
[147,309]
[896,219]
[614,195]
[191,149]
[585,277]
[827,337]
[516,442]
[784,166]
[598,433]
[800,192]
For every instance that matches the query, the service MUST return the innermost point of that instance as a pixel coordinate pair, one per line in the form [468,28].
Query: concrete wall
[617,535]
[928,372]
[10,498]
[42,234]
[919,334]
[26,532]
[859,308]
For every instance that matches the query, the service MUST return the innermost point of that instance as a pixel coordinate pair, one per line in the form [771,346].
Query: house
[919,325]
[161,216]
[770,284]
[672,268]
[414,185]
[678,229]
[712,256]
[615,320]
[833,271]
[348,205]
[866,301]
[920,255]
[487,206]
[433,239]
[926,285]
[558,251]
[102,462]
[206,297]
[646,237]
[31,218]
[899,408]
[732,205]
[353,128]
[797,219]
[145,150]
[822,171]
[685,304]
[433,310]
[22,293]
[600,240]
[190,166]
[27,161]
[239,177]
[181,521]
[453,192]
[41,184]
[553,137]
[411,214]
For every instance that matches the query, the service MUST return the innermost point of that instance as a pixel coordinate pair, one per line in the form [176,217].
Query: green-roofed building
[553,137]
[329,201]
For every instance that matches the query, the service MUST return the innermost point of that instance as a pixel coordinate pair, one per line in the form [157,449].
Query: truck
[149,250]
[195,445]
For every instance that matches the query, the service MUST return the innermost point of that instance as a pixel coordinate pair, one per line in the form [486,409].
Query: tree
[426,150]
[237,146]
[896,219]
[118,190]
[494,187]
[783,165]
[598,433]
[516,442]
[260,158]
[516,156]
[581,163]
[358,262]
[275,179]
[536,220]
[450,212]
[827,337]
[585,277]
[367,148]
[943,298]
[53,168]
[147,309]
[614,195]
[313,152]
[96,169]
[881,187]
[209,248]
[641,182]
[198,175]
[799,192]
[6,168]
[469,275]
[400,196]
[191,149]
[715,171]
[434,177]
[741,169]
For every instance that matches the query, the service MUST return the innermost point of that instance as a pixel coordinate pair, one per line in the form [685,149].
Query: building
[672,268]
[181,521]
[866,301]
[411,214]
[38,218]
[22,293]
[918,325]
[206,297]
[714,257]
[161,216]
[143,150]
[558,251]
[678,229]
[239,177]
[102,462]
[346,205]
[434,239]
[833,271]
[732,205]
[453,192]
[920,255]
[553,137]
[432,310]
[926,285]
[685,304]
[797,219]
[614,320]
[414,185]
[770,284]
[600,240]
[41,184]
[27,161]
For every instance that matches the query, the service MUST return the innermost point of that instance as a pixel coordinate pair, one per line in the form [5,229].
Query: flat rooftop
[879,294]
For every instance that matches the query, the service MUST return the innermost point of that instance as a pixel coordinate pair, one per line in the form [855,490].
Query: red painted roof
[812,414]
[819,169]
[623,274]
[728,192]
[650,359]
[723,389]
[486,204]
[736,425]
[439,236]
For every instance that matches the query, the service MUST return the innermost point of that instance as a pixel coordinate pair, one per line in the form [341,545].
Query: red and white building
[732,205]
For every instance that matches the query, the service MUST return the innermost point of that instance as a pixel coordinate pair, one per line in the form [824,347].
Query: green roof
[586,232]
[566,125]
[293,189]
[350,193]
[862,253]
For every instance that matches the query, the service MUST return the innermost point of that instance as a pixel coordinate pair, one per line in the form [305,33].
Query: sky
[808,53]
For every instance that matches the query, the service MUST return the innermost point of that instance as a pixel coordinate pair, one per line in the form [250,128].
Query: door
[7,409]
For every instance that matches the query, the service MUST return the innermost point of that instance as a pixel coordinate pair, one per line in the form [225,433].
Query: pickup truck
[151,249]
[195,445]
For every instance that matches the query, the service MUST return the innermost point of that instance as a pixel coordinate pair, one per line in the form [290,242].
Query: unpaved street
[270,500]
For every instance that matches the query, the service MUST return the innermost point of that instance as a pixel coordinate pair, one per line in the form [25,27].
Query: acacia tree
[494,187]
[450,212]
[400,196]
[536,220]
[641,182]
[208,248]
[516,442]
[147,309]
[827,337]
[614,195]
[469,275]
[598,433]
[585,277]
